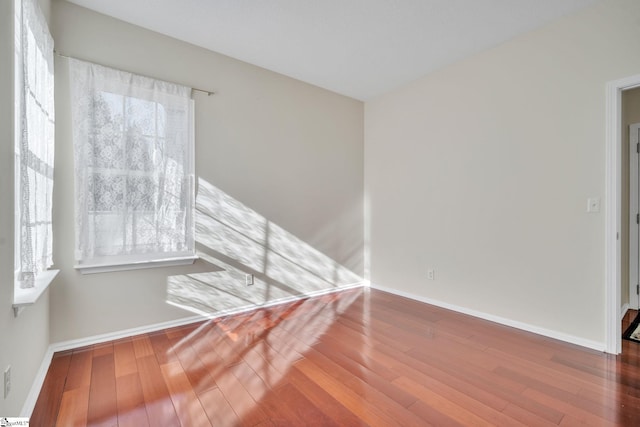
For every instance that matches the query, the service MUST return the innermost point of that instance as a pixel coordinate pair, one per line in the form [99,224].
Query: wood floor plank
[461,411]
[597,406]
[485,392]
[259,359]
[432,416]
[539,371]
[375,387]
[527,417]
[103,408]
[358,352]
[157,400]
[161,347]
[279,413]
[250,380]
[131,407]
[452,350]
[218,410]
[125,358]
[142,346]
[196,371]
[50,397]
[74,407]
[204,345]
[102,349]
[297,408]
[240,399]
[183,331]
[354,358]
[185,401]
[352,368]
[323,399]
[79,374]
[612,398]
[594,415]
[353,401]
[378,401]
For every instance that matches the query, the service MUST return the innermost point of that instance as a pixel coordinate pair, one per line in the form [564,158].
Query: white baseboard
[97,339]
[34,392]
[623,311]
[125,333]
[595,345]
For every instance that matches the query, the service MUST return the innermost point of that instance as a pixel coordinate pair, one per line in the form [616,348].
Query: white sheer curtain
[133,142]
[35,143]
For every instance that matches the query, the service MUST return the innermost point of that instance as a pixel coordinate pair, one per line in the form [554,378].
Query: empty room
[327,213]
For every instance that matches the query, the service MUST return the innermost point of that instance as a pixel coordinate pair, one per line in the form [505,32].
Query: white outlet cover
[593,204]
[7,381]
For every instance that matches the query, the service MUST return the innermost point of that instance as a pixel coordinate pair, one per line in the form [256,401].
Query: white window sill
[107,268]
[24,297]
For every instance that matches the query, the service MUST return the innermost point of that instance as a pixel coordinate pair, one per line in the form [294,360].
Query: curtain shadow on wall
[238,241]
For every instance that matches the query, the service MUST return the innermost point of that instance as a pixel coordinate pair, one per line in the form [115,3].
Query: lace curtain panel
[35,144]
[134,180]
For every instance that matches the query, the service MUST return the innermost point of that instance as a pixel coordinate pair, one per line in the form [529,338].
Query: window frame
[151,259]
[22,297]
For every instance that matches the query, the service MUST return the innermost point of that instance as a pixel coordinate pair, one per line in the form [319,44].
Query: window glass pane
[142,193]
[106,192]
[142,152]
[141,116]
[108,229]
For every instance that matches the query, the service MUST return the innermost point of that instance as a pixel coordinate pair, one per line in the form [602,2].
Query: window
[133,142]
[34,152]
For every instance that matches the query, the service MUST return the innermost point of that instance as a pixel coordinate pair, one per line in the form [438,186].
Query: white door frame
[634,209]
[613,209]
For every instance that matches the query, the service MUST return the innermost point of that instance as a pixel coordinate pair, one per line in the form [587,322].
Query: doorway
[631,144]
[615,226]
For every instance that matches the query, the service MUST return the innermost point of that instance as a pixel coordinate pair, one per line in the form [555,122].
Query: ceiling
[359,48]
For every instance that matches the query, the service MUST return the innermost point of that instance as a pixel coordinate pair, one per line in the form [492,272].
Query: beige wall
[24,339]
[482,171]
[289,152]
[630,115]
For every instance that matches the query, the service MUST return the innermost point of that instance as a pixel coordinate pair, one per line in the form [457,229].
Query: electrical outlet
[7,381]
[593,205]
[248,279]
[431,274]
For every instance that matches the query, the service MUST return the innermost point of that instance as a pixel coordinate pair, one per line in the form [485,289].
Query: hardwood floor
[359,357]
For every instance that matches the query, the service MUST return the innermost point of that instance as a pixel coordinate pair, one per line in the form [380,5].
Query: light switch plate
[593,205]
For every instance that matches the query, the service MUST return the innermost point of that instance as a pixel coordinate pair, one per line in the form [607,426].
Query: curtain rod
[208,92]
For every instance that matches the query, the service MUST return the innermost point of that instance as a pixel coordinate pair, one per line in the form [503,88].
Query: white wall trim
[138,265]
[595,345]
[125,333]
[34,392]
[613,209]
[634,133]
[29,296]
[97,339]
